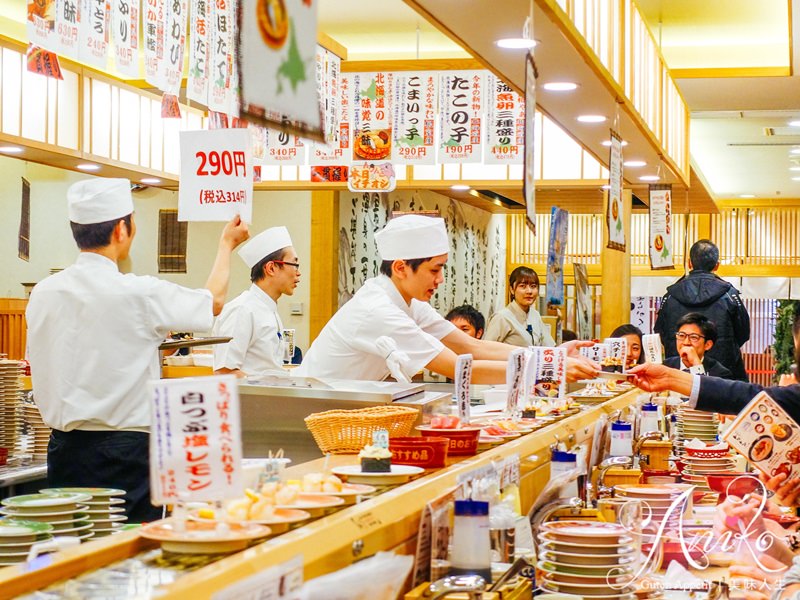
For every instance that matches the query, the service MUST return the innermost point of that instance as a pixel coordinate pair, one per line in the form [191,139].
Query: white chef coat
[252,320]
[511,325]
[93,336]
[343,350]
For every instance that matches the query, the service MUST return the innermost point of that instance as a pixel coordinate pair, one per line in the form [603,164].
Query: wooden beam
[324,298]
[615,302]
[423,64]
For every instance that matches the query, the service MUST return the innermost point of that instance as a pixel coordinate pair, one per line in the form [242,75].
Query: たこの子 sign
[195,440]
[216,175]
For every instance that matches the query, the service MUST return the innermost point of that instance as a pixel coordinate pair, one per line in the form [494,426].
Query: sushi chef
[93,337]
[251,318]
[389,327]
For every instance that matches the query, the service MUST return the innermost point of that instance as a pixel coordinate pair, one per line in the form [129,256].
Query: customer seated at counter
[390,327]
[714,394]
[519,323]
[251,318]
[695,337]
[93,337]
[633,336]
[468,319]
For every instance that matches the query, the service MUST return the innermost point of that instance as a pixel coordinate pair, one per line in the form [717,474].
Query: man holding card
[251,318]
[93,337]
[695,337]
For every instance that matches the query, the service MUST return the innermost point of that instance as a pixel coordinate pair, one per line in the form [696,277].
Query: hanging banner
[461,100]
[661,227]
[216,175]
[171,67]
[196,440]
[583,302]
[67,29]
[559,226]
[94,25]
[415,118]
[221,62]
[41,23]
[371,114]
[505,123]
[125,28]
[614,209]
[153,23]
[276,45]
[43,62]
[334,105]
[199,63]
[529,181]
[284,148]
[371,177]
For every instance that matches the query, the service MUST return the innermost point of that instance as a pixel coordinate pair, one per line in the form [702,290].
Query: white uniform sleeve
[420,346]
[237,324]
[431,321]
[172,307]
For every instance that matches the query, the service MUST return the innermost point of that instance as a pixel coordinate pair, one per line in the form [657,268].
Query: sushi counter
[387,520]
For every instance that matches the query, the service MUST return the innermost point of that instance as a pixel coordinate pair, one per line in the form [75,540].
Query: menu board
[767,437]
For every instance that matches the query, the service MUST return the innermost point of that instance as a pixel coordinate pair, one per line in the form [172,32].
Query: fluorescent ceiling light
[89,167]
[150,180]
[516,43]
[560,86]
[459,187]
[795,178]
[794,168]
[794,151]
[649,178]
[634,163]
[10,149]
[608,143]
[591,118]
[747,195]
[794,123]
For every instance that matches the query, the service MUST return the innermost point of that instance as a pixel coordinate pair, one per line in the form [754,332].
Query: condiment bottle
[563,462]
[471,550]
[621,439]
[650,420]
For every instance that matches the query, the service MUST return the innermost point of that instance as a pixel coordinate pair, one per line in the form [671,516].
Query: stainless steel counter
[12,476]
[273,409]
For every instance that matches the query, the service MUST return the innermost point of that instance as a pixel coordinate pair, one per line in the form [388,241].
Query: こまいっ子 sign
[216,175]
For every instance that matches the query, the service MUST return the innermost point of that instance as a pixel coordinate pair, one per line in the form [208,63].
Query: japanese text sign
[461,99]
[216,175]
[661,227]
[462,382]
[505,123]
[196,440]
[550,380]
[415,97]
[614,210]
[125,26]
[514,372]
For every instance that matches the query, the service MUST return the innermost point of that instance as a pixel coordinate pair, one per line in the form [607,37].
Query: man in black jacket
[704,292]
[696,336]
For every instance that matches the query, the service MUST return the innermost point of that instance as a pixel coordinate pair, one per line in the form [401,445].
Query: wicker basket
[348,431]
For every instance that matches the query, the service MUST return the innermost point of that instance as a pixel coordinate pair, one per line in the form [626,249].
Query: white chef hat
[99,200]
[264,244]
[412,236]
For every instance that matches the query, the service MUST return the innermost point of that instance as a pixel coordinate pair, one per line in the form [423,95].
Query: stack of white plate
[588,559]
[40,433]
[695,424]
[66,512]
[17,537]
[10,401]
[104,509]
[658,500]
[696,468]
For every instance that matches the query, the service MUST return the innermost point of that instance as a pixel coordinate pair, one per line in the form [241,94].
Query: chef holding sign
[251,318]
[389,327]
[93,337]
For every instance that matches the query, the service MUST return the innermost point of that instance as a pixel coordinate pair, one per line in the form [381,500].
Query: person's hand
[740,518]
[235,232]
[787,379]
[580,367]
[689,356]
[652,377]
[787,491]
[573,347]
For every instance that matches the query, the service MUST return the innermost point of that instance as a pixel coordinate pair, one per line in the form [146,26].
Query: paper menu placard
[528,377]
[463,377]
[514,372]
[767,437]
[195,440]
[651,346]
[597,352]
[550,380]
[619,352]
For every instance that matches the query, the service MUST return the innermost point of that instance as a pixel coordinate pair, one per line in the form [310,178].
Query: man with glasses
[251,318]
[696,336]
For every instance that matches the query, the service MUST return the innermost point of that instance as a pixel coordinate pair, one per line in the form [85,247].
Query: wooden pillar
[324,261]
[615,268]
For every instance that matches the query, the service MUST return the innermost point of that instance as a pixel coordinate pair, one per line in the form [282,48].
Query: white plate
[398,474]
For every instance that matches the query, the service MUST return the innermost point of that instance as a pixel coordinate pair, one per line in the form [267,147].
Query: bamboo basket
[348,431]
